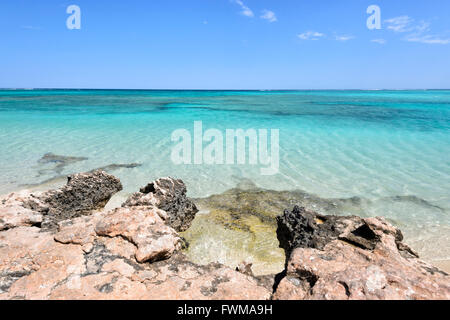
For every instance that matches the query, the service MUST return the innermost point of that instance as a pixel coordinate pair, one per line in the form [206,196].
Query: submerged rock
[54,158]
[116,166]
[167,194]
[59,162]
[330,257]
[240,224]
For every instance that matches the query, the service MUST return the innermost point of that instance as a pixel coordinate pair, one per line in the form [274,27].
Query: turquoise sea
[388,149]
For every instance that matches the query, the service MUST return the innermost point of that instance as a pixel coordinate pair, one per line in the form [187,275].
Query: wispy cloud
[379,41]
[246,11]
[311,35]
[428,39]
[417,32]
[344,38]
[269,15]
[30,27]
[399,24]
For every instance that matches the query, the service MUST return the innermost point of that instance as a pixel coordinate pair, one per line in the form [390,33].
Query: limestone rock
[167,194]
[127,253]
[14,214]
[171,279]
[79,230]
[83,193]
[32,263]
[145,227]
[35,266]
[330,257]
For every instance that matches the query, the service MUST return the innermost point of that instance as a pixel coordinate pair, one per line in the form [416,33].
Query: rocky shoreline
[63,244]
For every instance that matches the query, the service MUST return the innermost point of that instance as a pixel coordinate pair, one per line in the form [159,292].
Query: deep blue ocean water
[389,148]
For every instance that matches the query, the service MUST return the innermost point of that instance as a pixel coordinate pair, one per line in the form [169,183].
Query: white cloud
[417,32]
[406,24]
[428,39]
[311,35]
[269,15]
[344,38]
[422,27]
[379,41]
[399,24]
[246,11]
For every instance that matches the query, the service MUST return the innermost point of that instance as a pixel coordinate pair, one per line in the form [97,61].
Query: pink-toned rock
[145,227]
[106,255]
[35,266]
[14,214]
[179,279]
[79,230]
[352,258]
[118,246]
[100,286]
[169,280]
[32,263]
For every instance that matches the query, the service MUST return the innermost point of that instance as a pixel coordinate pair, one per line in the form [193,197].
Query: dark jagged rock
[301,228]
[167,194]
[83,193]
[334,257]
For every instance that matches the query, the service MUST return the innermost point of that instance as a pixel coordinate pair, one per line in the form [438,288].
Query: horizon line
[184,89]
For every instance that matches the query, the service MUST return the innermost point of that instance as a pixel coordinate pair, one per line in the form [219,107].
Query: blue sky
[225,44]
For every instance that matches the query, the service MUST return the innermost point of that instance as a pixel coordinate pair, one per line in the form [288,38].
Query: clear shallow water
[376,145]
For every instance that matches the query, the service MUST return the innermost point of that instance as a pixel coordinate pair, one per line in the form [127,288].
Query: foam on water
[376,145]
